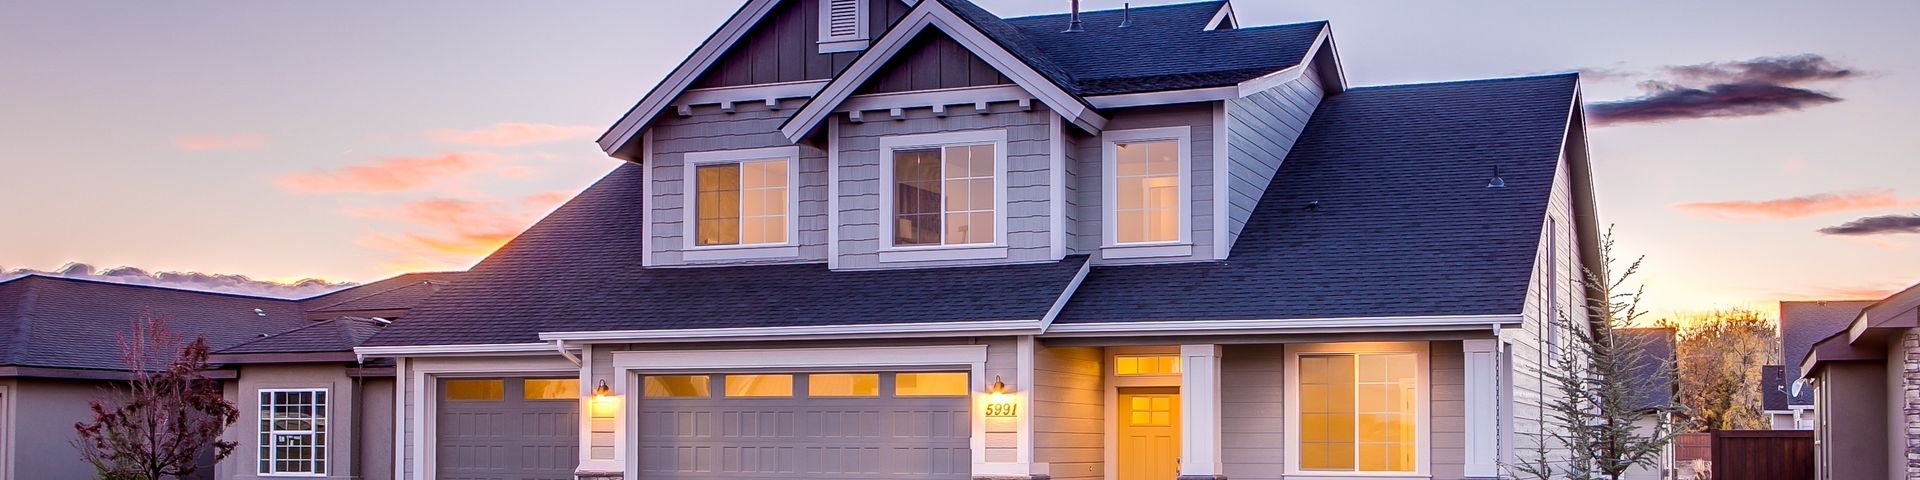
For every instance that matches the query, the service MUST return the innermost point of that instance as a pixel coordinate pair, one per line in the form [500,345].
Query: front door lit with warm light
[1149,433]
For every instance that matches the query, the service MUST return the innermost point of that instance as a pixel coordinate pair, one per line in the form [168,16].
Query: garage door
[508,428]
[878,425]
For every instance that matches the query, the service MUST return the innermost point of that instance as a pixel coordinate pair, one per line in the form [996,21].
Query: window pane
[917,198]
[1387,400]
[759,385]
[1125,365]
[474,390]
[675,386]
[718,204]
[943,384]
[1147,192]
[552,389]
[843,385]
[1326,432]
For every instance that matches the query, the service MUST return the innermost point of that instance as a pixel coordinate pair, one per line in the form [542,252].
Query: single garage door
[508,428]
[880,425]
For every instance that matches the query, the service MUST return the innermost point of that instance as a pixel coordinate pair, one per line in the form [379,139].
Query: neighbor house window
[1359,411]
[1147,185]
[947,194]
[742,198]
[293,432]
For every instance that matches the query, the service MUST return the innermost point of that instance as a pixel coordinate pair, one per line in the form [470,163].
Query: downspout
[561,345]
[359,421]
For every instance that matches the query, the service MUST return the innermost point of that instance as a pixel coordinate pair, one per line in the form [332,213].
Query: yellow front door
[1149,433]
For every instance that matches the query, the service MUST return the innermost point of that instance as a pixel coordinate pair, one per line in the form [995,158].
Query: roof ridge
[265,337]
[1469,81]
[357,285]
[146,286]
[367,296]
[1106,10]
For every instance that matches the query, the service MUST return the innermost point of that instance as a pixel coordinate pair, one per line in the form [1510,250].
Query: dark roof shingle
[1803,323]
[1655,365]
[54,322]
[331,335]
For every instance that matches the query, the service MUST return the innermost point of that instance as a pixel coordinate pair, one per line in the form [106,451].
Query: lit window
[944,196]
[1151,411]
[551,389]
[1146,365]
[843,385]
[293,431]
[481,390]
[1146,192]
[741,203]
[943,384]
[675,386]
[759,385]
[1358,412]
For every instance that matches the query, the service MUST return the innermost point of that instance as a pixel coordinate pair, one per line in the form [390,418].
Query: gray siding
[784,47]
[1261,130]
[1253,412]
[861,211]
[1069,412]
[1529,342]
[1088,183]
[752,125]
[1447,409]
[934,61]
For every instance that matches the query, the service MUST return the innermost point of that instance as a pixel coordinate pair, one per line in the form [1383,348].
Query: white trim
[798,358]
[401,388]
[1164,97]
[1146,250]
[937,329]
[1023,363]
[1287,75]
[888,145]
[425,394]
[830,43]
[1300,325]
[646,198]
[936,98]
[1061,303]
[1222,185]
[1482,414]
[1200,422]
[1423,408]
[942,253]
[1182,136]
[770,92]
[1056,187]
[690,164]
[6,434]
[833,193]
[1110,400]
[937,15]
[1223,18]
[844,45]
[316,433]
[537,348]
[731,252]
[685,74]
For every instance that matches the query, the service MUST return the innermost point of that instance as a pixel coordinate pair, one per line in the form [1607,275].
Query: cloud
[1881,225]
[206,282]
[512,134]
[449,231]
[1754,87]
[1797,207]
[391,174]
[209,143]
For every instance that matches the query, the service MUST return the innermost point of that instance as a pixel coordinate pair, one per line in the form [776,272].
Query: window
[944,196]
[1358,412]
[843,26]
[759,385]
[551,389]
[480,390]
[1151,411]
[1148,191]
[1126,365]
[942,384]
[675,386]
[741,202]
[293,431]
[843,385]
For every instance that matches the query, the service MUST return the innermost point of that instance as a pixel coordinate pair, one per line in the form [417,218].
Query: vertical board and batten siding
[1530,389]
[1069,412]
[934,61]
[1253,412]
[752,125]
[861,211]
[1261,129]
[784,47]
[1089,155]
[1447,409]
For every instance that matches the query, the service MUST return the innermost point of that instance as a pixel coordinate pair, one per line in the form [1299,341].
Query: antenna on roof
[1497,181]
[1126,15]
[1074,25]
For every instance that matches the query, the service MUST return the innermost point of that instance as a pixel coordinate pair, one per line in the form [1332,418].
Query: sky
[1752,152]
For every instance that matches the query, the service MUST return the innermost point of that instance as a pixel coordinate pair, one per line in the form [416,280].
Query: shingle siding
[751,125]
[1089,183]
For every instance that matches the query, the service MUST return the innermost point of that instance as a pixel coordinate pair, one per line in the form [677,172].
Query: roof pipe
[1126,15]
[1074,26]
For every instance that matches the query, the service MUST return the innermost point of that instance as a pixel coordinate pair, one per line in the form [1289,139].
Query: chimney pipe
[1074,26]
[1126,15]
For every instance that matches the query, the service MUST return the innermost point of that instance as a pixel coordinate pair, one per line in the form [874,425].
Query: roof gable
[933,61]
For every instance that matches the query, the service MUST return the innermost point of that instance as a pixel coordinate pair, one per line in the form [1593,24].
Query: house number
[1003,409]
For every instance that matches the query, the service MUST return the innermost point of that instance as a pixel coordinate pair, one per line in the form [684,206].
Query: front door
[1149,433]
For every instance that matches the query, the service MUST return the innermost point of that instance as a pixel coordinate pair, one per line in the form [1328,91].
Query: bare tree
[157,424]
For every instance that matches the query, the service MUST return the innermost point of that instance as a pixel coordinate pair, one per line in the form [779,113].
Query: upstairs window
[742,198]
[1147,186]
[947,193]
[843,26]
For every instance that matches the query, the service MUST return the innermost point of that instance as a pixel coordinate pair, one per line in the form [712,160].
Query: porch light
[999,387]
[602,390]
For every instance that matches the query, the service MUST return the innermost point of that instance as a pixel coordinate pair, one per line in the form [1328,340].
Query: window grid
[1147,192]
[1357,412]
[945,196]
[293,432]
[741,203]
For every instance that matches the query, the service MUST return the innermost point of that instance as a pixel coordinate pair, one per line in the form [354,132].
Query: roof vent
[382,321]
[1126,15]
[259,312]
[1497,182]
[1074,25]
[1313,206]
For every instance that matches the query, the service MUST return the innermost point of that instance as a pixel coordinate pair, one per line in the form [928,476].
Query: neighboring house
[1658,397]
[59,348]
[1786,400]
[910,239]
[1866,392]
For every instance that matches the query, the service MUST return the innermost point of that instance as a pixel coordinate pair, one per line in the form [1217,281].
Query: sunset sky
[351,140]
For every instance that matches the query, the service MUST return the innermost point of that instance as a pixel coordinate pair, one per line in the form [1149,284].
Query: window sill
[934,254]
[838,46]
[1151,250]
[1356,475]
[750,252]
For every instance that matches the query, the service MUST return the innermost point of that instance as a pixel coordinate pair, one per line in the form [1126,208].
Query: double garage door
[853,425]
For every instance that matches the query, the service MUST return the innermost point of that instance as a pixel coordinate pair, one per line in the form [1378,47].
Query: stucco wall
[1852,444]
[344,404]
[44,412]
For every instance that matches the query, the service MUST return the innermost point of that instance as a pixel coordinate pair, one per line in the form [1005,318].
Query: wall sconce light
[999,387]
[602,390]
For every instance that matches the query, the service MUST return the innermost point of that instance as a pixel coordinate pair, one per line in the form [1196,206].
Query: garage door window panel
[551,389]
[676,386]
[843,385]
[936,384]
[759,386]
[476,390]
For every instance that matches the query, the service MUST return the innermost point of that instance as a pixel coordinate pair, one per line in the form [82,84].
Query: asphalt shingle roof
[331,335]
[579,270]
[1405,223]
[389,293]
[54,322]
[1774,387]
[1804,323]
[1658,355]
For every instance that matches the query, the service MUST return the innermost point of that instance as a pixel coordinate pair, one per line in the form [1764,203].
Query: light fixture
[1497,182]
[602,390]
[999,387]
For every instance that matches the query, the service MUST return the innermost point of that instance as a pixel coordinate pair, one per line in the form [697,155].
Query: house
[1787,401]
[1866,391]
[1656,396]
[60,348]
[912,239]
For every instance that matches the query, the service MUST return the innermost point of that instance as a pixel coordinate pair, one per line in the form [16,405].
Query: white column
[1482,412]
[1200,411]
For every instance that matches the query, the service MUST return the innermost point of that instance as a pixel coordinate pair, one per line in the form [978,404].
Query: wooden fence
[1762,454]
[1688,447]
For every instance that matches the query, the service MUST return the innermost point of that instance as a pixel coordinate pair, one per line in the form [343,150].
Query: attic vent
[842,26]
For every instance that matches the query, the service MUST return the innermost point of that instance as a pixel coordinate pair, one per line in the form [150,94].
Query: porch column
[1200,413]
[1482,384]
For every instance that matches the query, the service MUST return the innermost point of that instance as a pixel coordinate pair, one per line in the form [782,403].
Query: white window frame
[690,215]
[890,252]
[1423,407]
[1110,148]
[273,464]
[858,41]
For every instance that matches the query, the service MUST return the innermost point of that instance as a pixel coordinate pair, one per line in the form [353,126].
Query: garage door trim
[419,379]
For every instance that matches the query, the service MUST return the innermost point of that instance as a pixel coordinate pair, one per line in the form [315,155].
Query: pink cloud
[1797,207]
[447,231]
[512,134]
[391,174]
[209,143]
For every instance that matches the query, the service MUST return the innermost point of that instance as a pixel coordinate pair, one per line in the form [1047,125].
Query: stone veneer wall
[1910,396]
